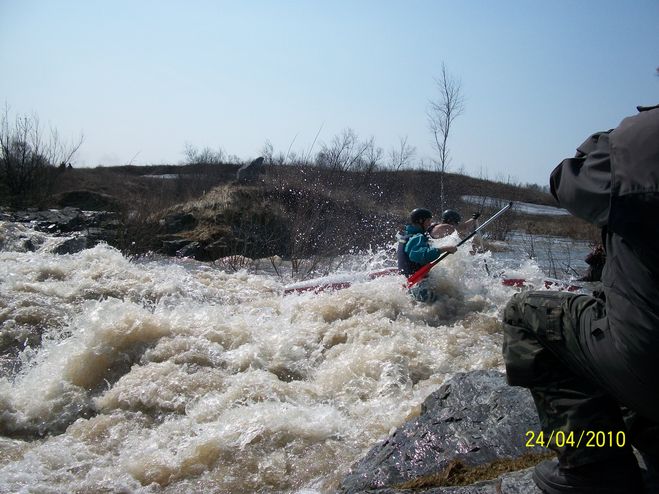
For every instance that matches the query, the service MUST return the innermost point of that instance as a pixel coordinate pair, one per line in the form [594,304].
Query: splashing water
[171,376]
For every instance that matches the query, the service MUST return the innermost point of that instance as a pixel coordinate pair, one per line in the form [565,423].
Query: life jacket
[405,265]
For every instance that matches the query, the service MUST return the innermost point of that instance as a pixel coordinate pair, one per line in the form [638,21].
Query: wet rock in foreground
[470,438]
[86,228]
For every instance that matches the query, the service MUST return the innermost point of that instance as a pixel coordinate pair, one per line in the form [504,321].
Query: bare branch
[27,159]
[441,114]
[402,156]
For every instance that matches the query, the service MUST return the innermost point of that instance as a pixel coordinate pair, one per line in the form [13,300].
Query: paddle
[421,273]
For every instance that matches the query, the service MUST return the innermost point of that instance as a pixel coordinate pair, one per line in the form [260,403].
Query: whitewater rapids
[170,376]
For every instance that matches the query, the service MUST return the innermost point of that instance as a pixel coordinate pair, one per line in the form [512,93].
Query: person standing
[591,363]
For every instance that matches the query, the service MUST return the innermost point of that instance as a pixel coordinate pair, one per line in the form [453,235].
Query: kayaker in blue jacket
[414,251]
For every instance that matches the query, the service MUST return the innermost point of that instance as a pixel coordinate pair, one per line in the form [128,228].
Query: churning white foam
[172,376]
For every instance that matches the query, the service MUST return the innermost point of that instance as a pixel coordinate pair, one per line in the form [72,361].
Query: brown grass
[560,226]
[294,211]
[457,473]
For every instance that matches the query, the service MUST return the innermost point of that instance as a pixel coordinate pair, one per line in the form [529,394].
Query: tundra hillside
[293,211]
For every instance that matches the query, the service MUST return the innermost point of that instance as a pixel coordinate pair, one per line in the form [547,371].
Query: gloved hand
[476,215]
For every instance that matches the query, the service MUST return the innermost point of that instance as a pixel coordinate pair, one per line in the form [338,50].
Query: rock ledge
[470,438]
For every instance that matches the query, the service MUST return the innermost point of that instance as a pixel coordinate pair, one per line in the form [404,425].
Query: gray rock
[250,173]
[52,220]
[472,422]
[71,245]
[89,227]
[178,222]
[194,250]
[172,247]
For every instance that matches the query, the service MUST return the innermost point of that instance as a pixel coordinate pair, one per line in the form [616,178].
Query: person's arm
[420,252]
[582,184]
[470,225]
[442,230]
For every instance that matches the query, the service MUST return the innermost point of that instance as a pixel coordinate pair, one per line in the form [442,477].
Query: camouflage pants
[548,337]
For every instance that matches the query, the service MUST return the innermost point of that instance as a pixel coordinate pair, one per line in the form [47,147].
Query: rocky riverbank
[470,438]
[80,229]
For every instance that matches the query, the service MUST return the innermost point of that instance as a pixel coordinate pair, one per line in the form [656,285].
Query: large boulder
[72,245]
[470,438]
[178,222]
[250,173]
[64,220]
[195,250]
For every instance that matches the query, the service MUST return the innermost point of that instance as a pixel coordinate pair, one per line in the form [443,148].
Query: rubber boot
[650,468]
[608,478]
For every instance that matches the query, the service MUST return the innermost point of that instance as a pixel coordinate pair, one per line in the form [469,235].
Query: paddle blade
[418,275]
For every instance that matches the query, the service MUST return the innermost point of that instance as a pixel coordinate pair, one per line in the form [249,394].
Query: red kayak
[337,282]
[341,281]
[550,284]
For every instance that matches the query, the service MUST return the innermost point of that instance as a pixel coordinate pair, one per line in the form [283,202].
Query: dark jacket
[613,182]
[414,251]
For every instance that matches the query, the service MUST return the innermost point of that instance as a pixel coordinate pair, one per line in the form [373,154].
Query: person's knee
[514,330]
[524,354]
[520,352]
[540,312]
[513,312]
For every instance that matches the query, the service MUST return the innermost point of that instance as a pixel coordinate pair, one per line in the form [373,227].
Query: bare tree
[345,153]
[443,110]
[205,156]
[402,155]
[268,152]
[371,158]
[28,160]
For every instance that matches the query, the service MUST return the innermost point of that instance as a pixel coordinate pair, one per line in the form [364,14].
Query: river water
[158,375]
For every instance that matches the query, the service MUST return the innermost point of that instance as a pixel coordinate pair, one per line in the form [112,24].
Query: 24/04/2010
[589,439]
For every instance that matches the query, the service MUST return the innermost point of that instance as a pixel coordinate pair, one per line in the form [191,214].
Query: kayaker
[584,357]
[414,251]
[451,222]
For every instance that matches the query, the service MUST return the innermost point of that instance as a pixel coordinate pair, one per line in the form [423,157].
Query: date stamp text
[586,439]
